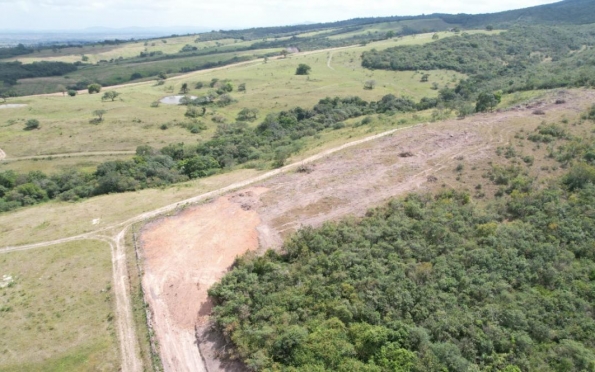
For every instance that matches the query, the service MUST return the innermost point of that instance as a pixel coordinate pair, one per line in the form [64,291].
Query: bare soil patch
[187,253]
[183,256]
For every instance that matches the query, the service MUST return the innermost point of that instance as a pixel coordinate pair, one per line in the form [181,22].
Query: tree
[435,37]
[199,85]
[303,69]
[162,75]
[487,101]
[390,34]
[490,28]
[184,89]
[99,114]
[284,53]
[424,78]
[32,124]
[94,88]
[72,92]
[242,87]
[112,94]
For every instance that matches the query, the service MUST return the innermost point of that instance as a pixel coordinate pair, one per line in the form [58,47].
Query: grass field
[380,29]
[97,52]
[56,313]
[51,165]
[130,121]
[119,72]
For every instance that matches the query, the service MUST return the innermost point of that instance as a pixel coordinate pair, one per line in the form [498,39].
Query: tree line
[273,140]
[523,58]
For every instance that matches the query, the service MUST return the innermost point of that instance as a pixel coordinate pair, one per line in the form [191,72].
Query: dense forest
[562,12]
[524,58]
[430,283]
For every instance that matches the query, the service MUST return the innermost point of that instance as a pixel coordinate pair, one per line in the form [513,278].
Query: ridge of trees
[524,58]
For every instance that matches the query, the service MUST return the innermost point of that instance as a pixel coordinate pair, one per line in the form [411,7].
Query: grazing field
[130,121]
[56,310]
[50,165]
[98,52]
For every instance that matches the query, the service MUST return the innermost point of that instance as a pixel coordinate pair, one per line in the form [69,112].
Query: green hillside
[564,12]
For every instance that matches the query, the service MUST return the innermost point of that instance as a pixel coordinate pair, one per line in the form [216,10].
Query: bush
[579,176]
[72,92]
[94,88]
[303,69]
[32,124]
[194,112]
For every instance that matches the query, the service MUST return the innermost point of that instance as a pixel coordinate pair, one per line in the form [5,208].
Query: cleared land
[56,311]
[346,183]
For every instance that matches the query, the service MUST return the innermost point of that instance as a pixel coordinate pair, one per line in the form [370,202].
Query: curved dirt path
[2,155]
[328,61]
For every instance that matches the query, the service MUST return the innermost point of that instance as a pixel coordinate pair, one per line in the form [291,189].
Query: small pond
[11,105]
[174,100]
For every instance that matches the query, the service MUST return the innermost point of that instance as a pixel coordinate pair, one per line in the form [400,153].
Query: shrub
[303,69]
[72,92]
[94,88]
[32,124]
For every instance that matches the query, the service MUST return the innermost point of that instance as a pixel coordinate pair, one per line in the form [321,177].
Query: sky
[222,14]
